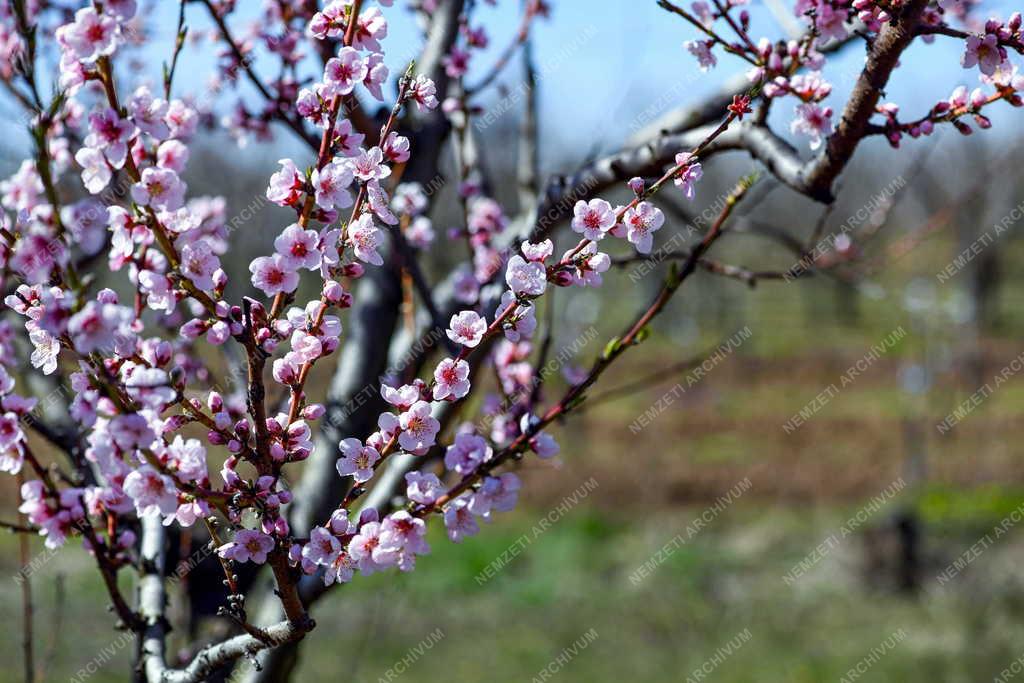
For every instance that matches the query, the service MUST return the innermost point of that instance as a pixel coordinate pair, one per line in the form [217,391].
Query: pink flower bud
[174,423]
[562,279]
[193,328]
[218,333]
[163,353]
[978,98]
[215,402]
[295,554]
[333,291]
[277,452]
[368,515]
[313,411]
[126,539]
[257,310]
[450,105]
[222,420]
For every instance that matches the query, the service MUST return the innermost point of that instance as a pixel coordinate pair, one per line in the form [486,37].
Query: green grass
[574,579]
[981,506]
[728,578]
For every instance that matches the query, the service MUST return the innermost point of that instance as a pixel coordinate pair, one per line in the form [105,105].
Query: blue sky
[607,63]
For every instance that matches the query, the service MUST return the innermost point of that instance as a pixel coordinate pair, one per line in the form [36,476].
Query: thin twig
[520,38]
[246,63]
[634,335]
[179,43]
[645,382]
[27,632]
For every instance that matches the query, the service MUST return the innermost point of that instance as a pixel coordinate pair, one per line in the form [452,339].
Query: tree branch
[895,36]
[152,599]
[245,62]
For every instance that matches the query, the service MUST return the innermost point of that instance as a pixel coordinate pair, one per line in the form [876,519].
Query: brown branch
[949,31]
[894,37]
[749,277]
[18,528]
[647,381]
[813,178]
[412,267]
[777,155]
[109,573]
[746,275]
[179,43]
[64,440]
[246,63]
[700,26]
[99,549]
[634,334]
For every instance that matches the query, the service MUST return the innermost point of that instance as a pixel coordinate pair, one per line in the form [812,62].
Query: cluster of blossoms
[987,49]
[11,43]
[778,67]
[131,401]
[141,391]
[1000,78]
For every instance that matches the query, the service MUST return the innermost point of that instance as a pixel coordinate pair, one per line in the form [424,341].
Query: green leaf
[673,278]
[611,348]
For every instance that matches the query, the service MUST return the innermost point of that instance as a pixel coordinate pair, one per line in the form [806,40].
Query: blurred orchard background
[804,480]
